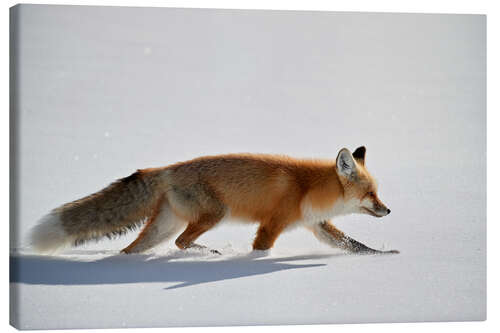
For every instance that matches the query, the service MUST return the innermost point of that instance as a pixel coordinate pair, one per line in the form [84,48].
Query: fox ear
[345,163]
[359,154]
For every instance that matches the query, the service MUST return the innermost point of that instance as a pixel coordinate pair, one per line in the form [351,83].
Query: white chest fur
[312,215]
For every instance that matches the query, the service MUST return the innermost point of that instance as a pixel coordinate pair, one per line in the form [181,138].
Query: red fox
[277,192]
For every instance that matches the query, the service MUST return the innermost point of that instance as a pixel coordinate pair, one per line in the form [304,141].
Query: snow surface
[103,91]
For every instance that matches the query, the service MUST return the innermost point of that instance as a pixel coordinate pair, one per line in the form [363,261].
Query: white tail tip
[49,237]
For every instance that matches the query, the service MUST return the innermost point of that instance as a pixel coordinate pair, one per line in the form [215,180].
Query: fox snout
[380,209]
[384,212]
[376,213]
[373,206]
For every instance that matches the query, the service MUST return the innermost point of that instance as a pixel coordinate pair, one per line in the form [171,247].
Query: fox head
[360,189]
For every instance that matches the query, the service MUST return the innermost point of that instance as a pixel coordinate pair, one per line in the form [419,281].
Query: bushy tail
[48,236]
[120,207]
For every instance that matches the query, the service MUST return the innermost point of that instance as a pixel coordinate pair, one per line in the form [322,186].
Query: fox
[189,198]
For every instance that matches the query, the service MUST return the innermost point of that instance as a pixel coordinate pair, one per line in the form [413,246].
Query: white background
[491,118]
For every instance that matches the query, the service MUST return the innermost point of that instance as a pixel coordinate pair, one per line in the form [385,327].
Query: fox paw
[258,254]
[373,251]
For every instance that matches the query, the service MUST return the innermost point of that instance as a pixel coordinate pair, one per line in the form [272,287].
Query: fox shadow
[119,269]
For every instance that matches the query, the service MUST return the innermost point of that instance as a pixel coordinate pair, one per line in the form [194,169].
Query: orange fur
[254,186]
[275,191]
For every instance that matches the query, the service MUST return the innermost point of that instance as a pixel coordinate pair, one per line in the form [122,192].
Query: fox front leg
[328,233]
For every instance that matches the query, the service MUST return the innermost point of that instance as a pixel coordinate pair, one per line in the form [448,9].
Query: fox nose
[388,211]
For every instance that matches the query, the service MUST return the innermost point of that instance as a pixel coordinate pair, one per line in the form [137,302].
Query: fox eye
[370,194]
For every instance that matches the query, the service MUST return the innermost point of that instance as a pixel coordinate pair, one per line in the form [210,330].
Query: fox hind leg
[199,205]
[196,229]
[160,227]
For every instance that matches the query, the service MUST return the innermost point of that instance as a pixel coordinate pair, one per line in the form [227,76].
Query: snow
[94,105]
